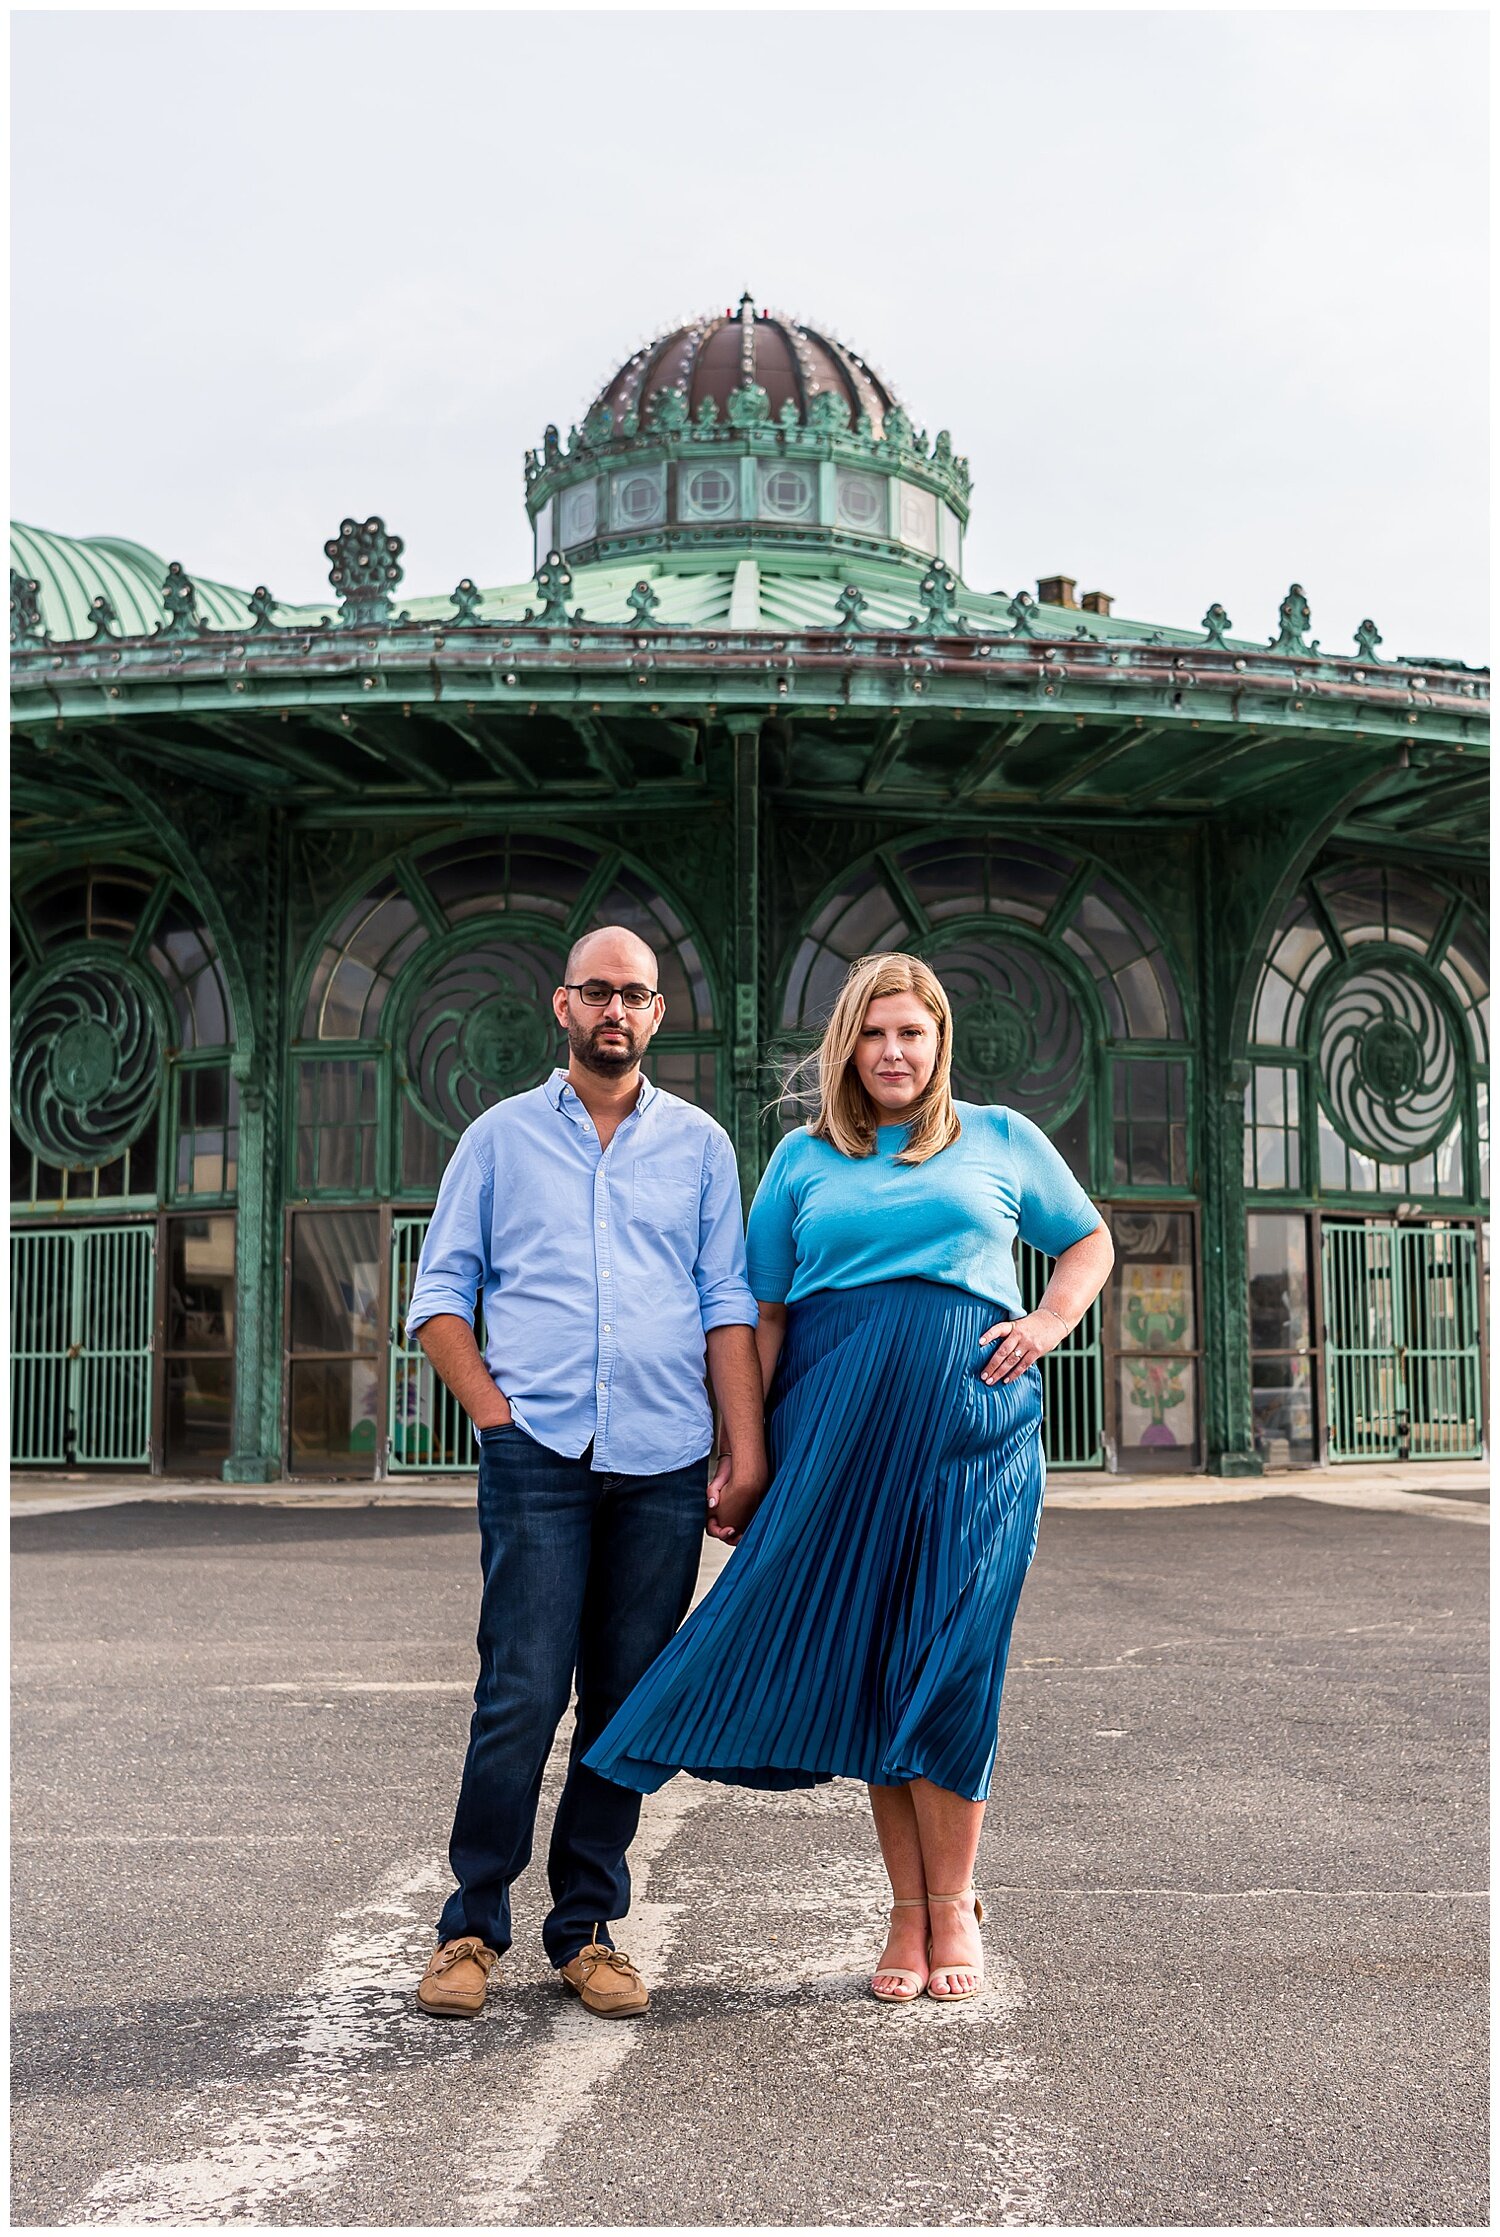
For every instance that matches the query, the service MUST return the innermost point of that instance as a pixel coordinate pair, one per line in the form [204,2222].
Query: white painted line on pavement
[300,2136]
[581,2051]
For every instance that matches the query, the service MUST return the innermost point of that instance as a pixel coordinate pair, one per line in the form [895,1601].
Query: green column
[1226,1293]
[744,949]
[256,1455]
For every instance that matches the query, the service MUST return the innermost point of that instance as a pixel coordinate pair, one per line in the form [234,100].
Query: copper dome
[719,353]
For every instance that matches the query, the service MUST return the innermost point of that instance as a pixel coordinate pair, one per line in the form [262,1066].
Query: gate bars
[83,1307]
[1401,1342]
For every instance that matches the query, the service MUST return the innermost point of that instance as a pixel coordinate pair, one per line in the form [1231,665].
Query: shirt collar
[562,1098]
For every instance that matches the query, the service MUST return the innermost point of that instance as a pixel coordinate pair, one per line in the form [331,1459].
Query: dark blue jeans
[585,1575]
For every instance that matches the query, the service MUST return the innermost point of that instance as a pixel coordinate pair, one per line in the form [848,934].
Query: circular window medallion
[86,1065]
[1388,1059]
[992,1041]
[862,502]
[710,492]
[481,1027]
[1019,1035]
[638,500]
[85,1058]
[786,492]
[506,1041]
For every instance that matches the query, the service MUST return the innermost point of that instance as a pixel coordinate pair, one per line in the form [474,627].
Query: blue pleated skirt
[860,1629]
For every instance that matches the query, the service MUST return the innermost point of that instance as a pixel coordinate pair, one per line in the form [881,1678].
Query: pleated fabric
[861,1627]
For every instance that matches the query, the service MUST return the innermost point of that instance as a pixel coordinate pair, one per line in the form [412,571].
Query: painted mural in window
[1373,1001]
[430,999]
[1156,1339]
[121,1091]
[1056,977]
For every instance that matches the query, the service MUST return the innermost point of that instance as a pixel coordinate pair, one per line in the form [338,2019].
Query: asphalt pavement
[1234,1865]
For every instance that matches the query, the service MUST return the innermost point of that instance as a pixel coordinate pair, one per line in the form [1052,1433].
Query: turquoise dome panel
[74,570]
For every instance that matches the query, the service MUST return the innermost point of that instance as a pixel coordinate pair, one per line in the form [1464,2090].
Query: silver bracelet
[1052,1314]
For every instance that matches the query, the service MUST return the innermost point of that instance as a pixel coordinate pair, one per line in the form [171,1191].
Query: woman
[862,1628]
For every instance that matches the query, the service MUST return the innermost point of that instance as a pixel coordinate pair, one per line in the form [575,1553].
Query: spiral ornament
[482,1028]
[85,1065]
[1388,1060]
[1019,1036]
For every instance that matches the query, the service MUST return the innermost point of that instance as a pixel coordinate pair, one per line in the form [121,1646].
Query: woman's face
[896,1053]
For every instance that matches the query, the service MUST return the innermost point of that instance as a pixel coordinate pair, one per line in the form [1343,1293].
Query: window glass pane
[424,1152]
[331,1403]
[710,493]
[335,1281]
[1158,1412]
[200,1284]
[1280,1306]
[1153,1278]
[1281,1404]
[578,513]
[638,500]
[786,492]
[918,517]
[862,502]
[200,1408]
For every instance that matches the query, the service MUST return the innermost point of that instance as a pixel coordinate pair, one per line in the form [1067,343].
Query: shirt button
[603,1223]
[601,1386]
[606,1328]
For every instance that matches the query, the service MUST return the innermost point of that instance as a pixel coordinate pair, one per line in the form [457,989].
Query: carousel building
[292,885]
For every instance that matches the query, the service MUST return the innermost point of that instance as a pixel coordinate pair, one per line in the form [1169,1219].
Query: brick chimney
[1057,590]
[1097,601]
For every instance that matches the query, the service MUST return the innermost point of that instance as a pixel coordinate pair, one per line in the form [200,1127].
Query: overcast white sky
[1200,294]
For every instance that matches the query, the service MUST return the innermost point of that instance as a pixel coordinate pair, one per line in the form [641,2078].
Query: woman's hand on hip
[1022,1343]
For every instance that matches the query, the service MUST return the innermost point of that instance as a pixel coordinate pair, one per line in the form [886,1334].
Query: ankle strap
[962,1896]
[908,1902]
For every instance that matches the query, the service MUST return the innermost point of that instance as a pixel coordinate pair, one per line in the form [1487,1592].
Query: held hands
[1022,1343]
[733,1496]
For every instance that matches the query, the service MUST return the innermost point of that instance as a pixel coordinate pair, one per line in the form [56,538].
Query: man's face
[610,1039]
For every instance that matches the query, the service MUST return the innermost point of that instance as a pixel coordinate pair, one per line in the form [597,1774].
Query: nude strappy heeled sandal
[900,1972]
[962,1995]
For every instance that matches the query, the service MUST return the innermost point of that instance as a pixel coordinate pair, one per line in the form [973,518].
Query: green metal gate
[83,1313]
[1401,1341]
[429,1432]
[1072,1376]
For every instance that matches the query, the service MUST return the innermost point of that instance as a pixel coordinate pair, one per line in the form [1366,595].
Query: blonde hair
[845,1115]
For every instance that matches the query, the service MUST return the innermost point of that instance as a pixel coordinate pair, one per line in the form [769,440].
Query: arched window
[121,1089]
[429,998]
[1369,1042]
[1065,1003]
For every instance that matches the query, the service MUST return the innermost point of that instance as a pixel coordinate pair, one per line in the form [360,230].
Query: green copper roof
[72,571]
[774,590]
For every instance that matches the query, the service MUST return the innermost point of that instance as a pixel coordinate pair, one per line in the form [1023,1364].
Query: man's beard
[609,1060]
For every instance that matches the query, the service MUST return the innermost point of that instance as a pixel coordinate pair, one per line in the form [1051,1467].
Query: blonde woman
[862,1627]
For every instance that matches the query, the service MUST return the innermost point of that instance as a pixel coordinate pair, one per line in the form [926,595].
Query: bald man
[599,1217]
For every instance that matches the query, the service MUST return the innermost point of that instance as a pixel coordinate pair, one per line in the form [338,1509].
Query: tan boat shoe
[457,1978]
[606,1980]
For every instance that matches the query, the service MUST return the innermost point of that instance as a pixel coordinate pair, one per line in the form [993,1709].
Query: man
[601,1218]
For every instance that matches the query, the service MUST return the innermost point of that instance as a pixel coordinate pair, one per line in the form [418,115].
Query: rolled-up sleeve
[724,1296]
[455,1253]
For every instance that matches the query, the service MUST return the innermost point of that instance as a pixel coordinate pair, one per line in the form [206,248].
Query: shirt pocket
[665,1195]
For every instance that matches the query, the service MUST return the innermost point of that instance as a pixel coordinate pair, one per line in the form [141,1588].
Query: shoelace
[600,1953]
[470,1946]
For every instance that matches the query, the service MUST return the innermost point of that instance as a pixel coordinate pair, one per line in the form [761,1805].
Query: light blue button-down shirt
[602,1270]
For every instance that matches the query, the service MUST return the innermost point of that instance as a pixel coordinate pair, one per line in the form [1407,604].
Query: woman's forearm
[770,1331]
[1078,1276]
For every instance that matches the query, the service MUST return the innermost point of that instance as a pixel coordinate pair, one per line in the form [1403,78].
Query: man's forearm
[449,1343]
[734,1371]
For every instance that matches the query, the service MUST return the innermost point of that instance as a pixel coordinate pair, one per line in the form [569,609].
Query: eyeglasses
[598,995]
